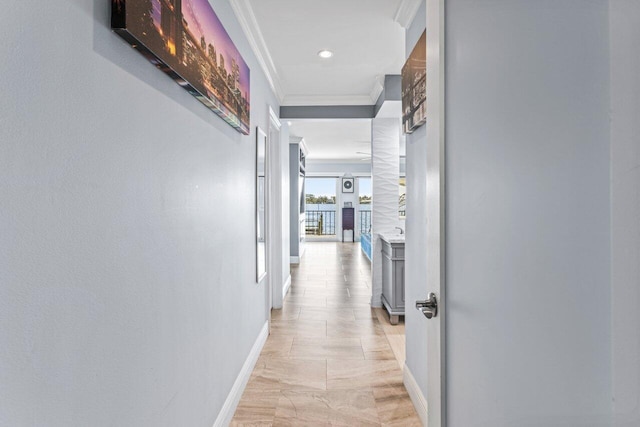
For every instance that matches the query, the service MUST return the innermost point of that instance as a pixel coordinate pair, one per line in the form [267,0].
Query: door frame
[435,207]
[274,215]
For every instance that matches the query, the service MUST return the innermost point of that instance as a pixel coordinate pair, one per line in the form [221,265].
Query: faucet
[401,230]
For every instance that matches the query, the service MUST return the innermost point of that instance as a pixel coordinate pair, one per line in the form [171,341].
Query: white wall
[624,18]
[127,224]
[385,173]
[527,215]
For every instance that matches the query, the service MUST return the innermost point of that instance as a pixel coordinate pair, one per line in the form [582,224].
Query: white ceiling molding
[406,12]
[249,24]
[299,140]
[324,100]
[305,149]
[275,118]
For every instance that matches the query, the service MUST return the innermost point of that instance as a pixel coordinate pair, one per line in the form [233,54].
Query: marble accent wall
[385,172]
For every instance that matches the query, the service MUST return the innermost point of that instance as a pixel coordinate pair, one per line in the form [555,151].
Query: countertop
[392,237]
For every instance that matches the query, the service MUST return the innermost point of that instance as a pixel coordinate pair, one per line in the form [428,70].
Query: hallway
[330,358]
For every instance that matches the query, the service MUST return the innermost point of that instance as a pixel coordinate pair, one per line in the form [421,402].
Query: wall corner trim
[231,403]
[286,287]
[418,399]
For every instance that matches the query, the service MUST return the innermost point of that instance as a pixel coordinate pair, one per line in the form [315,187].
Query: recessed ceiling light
[325,54]
[289,123]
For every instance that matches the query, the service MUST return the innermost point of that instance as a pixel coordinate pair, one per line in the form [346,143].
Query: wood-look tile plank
[354,302]
[296,290]
[308,301]
[334,408]
[326,292]
[324,313]
[395,408]
[331,360]
[287,312]
[327,348]
[377,348]
[303,328]
[389,329]
[277,347]
[358,374]
[288,374]
[362,313]
[306,284]
[354,328]
[256,408]
[363,291]
[397,343]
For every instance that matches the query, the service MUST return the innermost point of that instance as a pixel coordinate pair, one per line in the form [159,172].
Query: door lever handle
[429,306]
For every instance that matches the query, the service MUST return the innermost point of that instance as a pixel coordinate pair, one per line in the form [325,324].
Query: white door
[435,204]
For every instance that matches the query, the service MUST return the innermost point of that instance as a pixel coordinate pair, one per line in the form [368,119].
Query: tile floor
[330,360]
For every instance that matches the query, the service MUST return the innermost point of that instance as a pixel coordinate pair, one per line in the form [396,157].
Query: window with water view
[320,206]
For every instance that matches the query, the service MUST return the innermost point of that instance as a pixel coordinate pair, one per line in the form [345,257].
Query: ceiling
[337,140]
[367,39]
[334,139]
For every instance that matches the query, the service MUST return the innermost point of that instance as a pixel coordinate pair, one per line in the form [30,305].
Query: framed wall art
[347,185]
[186,40]
[414,87]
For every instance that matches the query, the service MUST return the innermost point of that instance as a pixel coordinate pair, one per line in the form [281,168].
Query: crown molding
[299,140]
[407,12]
[295,139]
[275,119]
[330,100]
[305,148]
[247,19]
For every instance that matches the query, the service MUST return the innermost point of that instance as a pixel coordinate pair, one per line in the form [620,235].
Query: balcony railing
[365,222]
[323,222]
[320,223]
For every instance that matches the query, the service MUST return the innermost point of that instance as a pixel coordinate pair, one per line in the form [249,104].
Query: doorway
[320,209]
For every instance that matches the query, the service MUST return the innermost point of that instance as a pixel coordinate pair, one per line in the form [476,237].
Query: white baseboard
[230,405]
[418,399]
[286,287]
[294,260]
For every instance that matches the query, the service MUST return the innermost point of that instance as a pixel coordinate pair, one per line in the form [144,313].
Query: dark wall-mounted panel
[327,112]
